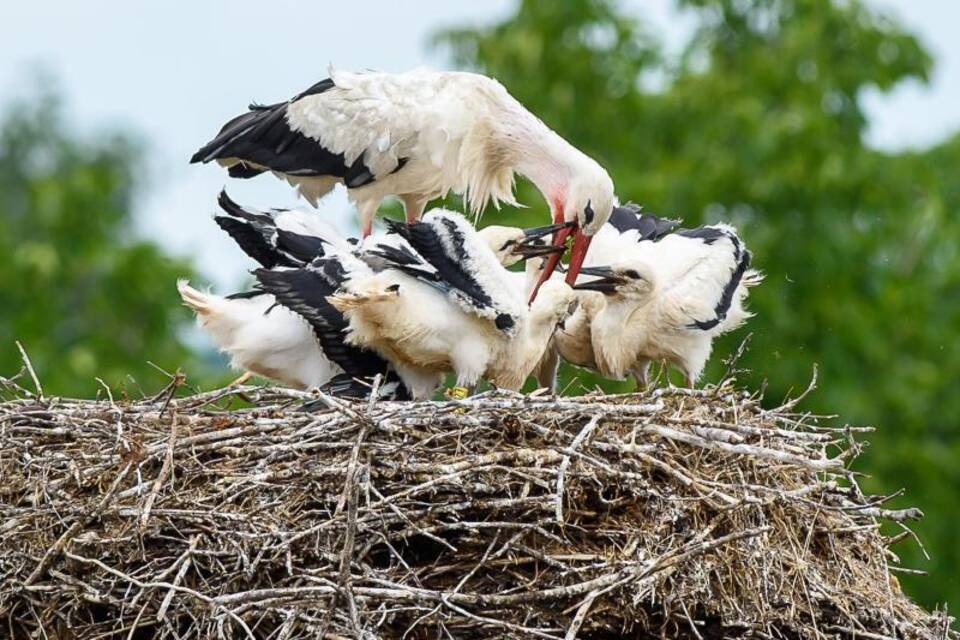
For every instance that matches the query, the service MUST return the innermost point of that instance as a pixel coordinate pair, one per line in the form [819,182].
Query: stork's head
[589,198]
[626,280]
[513,244]
[556,301]
[587,202]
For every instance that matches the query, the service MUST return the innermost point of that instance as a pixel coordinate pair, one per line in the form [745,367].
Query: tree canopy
[760,122]
[86,299]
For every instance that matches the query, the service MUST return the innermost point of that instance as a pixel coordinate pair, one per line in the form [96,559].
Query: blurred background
[825,129]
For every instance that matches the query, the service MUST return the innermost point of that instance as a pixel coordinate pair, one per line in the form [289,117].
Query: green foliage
[760,122]
[84,298]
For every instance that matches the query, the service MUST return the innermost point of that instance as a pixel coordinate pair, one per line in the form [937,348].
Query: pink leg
[413,206]
[367,212]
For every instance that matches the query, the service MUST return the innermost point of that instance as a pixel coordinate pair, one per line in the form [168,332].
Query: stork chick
[666,300]
[441,301]
[261,337]
[416,327]
[267,339]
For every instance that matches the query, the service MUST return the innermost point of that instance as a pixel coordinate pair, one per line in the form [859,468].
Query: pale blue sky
[175,71]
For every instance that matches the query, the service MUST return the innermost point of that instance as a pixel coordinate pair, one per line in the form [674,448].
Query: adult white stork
[663,300]
[417,135]
[432,298]
[268,339]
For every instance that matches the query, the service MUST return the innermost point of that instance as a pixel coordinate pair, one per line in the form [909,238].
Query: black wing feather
[743,258]
[246,295]
[251,241]
[708,234]
[305,291]
[630,217]
[345,386]
[252,232]
[400,258]
[263,137]
[300,247]
[449,265]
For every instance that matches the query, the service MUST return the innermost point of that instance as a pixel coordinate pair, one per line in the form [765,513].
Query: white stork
[417,135]
[432,298]
[268,339]
[664,299]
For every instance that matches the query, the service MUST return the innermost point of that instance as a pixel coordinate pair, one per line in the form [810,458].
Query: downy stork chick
[417,135]
[417,327]
[512,244]
[267,339]
[627,225]
[439,300]
[261,336]
[668,300]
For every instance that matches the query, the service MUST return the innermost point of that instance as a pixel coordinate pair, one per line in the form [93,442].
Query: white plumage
[416,135]
[262,337]
[423,335]
[662,300]
[437,300]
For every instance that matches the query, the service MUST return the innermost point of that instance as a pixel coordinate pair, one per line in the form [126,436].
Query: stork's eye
[631,273]
[588,213]
[572,307]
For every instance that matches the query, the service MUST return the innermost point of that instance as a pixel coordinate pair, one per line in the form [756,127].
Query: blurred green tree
[760,122]
[84,297]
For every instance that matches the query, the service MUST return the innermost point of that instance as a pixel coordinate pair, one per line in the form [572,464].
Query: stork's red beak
[581,242]
[559,238]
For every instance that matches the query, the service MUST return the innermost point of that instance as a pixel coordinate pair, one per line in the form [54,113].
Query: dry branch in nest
[676,513]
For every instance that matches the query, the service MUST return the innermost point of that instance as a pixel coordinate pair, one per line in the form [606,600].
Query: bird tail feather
[344,302]
[752,278]
[203,304]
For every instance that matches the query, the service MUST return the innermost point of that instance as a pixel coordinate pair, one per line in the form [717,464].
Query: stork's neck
[518,359]
[616,334]
[540,154]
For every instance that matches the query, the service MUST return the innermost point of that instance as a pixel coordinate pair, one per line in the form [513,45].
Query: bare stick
[565,462]
[29,366]
[162,476]
[181,572]
[78,524]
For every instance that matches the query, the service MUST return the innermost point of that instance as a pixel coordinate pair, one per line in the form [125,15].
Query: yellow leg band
[457,393]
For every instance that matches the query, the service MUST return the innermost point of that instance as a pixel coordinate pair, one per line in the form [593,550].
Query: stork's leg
[413,205]
[367,211]
[641,373]
[546,370]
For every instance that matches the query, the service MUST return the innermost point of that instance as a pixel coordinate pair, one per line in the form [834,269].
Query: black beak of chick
[533,246]
[606,280]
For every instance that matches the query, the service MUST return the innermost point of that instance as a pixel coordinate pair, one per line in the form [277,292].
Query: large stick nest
[676,513]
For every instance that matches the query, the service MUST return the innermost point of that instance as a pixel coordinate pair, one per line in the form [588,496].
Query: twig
[74,529]
[181,572]
[162,476]
[29,366]
[565,462]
